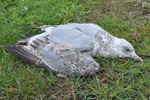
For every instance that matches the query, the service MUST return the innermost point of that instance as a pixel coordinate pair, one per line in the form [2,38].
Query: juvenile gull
[67,49]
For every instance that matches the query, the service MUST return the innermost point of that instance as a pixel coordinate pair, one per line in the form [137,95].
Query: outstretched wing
[40,50]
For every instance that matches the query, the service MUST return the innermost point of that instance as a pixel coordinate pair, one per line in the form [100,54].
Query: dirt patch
[98,10]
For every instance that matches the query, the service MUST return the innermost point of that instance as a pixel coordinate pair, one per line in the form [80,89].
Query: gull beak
[136,57]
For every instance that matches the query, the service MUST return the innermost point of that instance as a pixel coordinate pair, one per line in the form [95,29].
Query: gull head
[122,48]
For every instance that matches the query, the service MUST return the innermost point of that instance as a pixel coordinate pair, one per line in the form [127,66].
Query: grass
[117,78]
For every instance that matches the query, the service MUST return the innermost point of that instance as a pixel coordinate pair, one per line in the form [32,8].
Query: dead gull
[67,49]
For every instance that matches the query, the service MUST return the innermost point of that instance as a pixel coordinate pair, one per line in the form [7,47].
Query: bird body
[67,49]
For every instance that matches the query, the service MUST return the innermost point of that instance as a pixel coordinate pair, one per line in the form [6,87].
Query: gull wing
[80,36]
[59,58]
[65,34]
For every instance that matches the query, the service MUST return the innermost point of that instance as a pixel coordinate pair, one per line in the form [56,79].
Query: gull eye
[126,49]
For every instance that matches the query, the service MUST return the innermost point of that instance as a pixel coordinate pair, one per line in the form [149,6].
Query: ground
[116,79]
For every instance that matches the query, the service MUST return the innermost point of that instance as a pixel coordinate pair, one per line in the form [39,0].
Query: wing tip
[6,47]
[22,53]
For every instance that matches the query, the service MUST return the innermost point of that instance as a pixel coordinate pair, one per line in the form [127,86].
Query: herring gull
[67,49]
